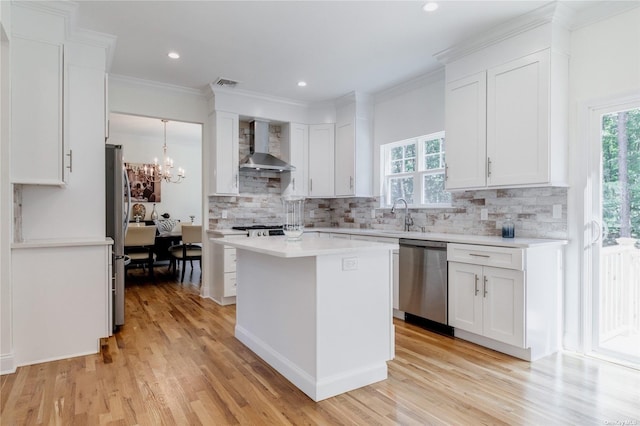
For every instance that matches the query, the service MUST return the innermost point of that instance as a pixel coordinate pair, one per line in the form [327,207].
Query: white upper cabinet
[295,151]
[499,127]
[466,136]
[345,159]
[37,142]
[321,160]
[518,112]
[225,179]
[506,106]
[354,151]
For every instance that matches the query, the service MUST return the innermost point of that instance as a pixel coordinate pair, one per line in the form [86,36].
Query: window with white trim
[414,169]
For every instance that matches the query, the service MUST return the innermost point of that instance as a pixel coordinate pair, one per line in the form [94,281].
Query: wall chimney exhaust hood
[259,157]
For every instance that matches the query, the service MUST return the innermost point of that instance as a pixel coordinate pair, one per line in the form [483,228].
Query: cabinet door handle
[70,166]
[446,172]
[293,182]
[484,287]
[350,182]
[310,185]
[488,166]
[479,255]
[476,275]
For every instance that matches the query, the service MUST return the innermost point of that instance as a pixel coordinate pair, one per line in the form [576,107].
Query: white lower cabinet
[487,301]
[506,299]
[224,274]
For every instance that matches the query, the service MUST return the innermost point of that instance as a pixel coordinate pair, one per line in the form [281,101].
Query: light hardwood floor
[175,361]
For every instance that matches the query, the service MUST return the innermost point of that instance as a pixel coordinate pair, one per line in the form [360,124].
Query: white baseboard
[224,301]
[7,364]
[521,353]
[314,388]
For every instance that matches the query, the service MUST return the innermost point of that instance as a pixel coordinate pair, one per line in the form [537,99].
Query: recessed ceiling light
[173,55]
[430,6]
[302,83]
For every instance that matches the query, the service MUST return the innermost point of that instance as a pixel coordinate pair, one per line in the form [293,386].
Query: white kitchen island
[318,310]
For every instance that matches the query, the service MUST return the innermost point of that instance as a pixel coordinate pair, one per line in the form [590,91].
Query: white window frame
[418,175]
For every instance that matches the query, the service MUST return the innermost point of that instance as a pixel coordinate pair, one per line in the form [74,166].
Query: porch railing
[619,290]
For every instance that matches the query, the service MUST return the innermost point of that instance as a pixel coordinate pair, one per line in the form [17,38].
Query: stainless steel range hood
[259,157]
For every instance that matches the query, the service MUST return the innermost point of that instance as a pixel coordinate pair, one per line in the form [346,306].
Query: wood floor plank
[176,361]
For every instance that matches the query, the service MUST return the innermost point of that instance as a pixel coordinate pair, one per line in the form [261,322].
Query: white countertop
[307,246]
[221,233]
[449,238]
[74,242]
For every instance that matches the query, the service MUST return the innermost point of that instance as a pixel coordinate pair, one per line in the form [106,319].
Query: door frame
[589,216]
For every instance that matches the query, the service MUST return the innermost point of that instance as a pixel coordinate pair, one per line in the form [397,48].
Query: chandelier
[163,172]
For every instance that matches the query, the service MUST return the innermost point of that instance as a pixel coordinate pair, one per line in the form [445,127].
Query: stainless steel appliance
[259,157]
[423,284]
[118,207]
[261,230]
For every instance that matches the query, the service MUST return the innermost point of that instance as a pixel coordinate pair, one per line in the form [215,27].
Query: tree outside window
[414,170]
[621,175]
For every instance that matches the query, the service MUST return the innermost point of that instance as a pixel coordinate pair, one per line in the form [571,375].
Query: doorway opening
[615,249]
[155,201]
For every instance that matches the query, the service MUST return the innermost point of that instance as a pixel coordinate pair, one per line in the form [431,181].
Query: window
[413,169]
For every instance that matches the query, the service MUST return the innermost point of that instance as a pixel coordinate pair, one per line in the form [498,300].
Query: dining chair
[190,249]
[139,243]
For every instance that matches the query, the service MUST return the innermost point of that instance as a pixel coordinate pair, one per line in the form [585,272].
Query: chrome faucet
[408,221]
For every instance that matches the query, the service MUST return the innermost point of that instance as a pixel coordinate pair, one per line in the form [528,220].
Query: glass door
[614,255]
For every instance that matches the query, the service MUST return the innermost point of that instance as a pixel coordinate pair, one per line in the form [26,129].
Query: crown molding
[153,84]
[540,16]
[421,80]
[66,9]
[257,96]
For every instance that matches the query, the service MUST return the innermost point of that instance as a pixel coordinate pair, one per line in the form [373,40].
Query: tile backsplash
[259,202]
[531,210]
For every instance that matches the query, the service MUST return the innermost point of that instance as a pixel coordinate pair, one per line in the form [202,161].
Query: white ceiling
[268,46]
[335,46]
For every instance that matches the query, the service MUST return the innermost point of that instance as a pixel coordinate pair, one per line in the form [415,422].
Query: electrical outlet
[557,211]
[484,214]
[312,214]
[224,214]
[349,263]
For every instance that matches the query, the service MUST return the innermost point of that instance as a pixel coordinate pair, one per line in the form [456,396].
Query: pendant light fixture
[164,172]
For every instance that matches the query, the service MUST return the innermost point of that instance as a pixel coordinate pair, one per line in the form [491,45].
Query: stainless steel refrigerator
[118,205]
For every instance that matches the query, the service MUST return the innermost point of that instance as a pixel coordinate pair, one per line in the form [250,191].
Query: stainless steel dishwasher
[423,284]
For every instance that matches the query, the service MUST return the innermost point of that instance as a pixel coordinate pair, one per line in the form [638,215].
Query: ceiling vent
[225,82]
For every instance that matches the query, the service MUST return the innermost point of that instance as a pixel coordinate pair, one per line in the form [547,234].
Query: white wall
[6,336]
[179,200]
[412,109]
[605,62]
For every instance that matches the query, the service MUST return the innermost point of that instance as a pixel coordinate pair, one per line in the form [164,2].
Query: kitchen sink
[400,233]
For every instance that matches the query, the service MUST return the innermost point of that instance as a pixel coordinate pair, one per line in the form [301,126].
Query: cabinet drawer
[230,284]
[501,257]
[229,260]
